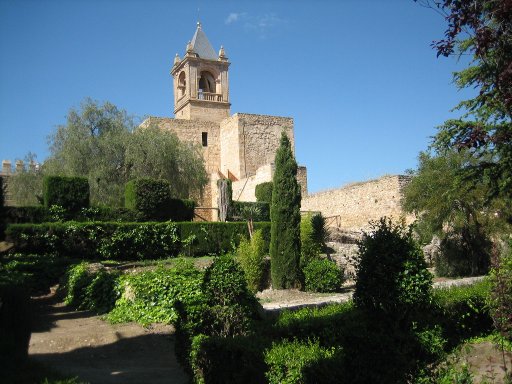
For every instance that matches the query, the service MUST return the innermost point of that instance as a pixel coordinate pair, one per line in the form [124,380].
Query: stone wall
[204,111]
[250,141]
[244,189]
[351,207]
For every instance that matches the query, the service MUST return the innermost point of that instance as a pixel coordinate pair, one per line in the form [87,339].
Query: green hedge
[129,241]
[71,193]
[263,192]
[148,196]
[152,199]
[240,209]
[181,210]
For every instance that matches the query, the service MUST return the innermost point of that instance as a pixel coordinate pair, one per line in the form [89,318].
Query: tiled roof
[202,46]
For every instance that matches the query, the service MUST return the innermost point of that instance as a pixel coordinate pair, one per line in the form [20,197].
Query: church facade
[240,147]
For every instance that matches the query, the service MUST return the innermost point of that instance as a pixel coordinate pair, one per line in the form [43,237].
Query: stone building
[241,146]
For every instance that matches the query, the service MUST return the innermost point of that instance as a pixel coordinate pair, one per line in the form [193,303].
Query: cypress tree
[285,218]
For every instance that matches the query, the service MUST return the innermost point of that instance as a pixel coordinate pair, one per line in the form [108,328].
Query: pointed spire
[201,46]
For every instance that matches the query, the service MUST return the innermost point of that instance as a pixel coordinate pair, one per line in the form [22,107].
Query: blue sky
[359,77]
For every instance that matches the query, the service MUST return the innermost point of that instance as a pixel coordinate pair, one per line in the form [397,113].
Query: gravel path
[274,301]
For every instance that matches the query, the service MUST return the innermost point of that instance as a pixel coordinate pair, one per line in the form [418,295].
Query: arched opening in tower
[207,83]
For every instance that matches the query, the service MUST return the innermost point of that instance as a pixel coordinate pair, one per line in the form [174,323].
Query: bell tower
[201,85]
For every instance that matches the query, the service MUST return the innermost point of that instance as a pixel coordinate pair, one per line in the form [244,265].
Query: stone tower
[201,86]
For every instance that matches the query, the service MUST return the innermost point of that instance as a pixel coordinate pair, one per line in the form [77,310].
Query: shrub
[323,275]
[226,308]
[101,293]
[224,284]
[143,241]
[320,232]
[216,238]
[392,276]
[227,360]
[34,214]
[285,220]
[297,362]
[152,199]
[36,272]
[71,193]
[462,311]
[463,255]
[263,192]
[91,287]
[251,254]
[500,298]
[310,247]
[77,280]
[244,210]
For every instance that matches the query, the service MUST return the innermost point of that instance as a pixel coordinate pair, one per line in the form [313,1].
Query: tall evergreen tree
[285,217]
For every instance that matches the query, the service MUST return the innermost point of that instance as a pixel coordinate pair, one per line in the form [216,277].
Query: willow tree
[285,218]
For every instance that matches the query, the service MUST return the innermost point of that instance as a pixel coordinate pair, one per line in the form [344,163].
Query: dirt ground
[77,343]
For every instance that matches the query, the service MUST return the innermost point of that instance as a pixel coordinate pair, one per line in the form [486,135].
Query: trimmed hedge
[30,214]
[128,241]
[152,200]
[181,210]
[148,196]
[323,275]
[263,192]
[71,193]
[261,211]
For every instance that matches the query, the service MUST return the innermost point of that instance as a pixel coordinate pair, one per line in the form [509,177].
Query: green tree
[101,142]
[158,154]
[392,277]
[481,29]
[455,209]
[285,219]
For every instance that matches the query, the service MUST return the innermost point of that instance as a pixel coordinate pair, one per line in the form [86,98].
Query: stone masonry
[350,208]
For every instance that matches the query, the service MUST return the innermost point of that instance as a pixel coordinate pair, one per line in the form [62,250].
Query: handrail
[209,96]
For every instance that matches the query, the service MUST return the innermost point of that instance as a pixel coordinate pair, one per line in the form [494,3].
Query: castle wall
[351,207]
[250,141]
[230,136]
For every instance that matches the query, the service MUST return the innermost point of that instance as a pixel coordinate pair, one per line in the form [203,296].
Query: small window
[204,139]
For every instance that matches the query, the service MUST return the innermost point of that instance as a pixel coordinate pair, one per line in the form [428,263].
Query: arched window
[182,84]
[207,82]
